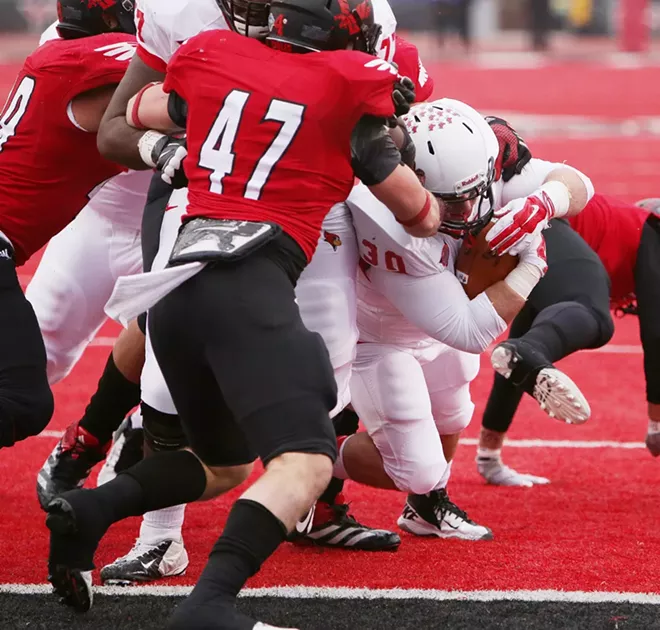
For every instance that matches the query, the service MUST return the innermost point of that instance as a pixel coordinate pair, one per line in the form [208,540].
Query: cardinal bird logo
[333,239]
[348,19]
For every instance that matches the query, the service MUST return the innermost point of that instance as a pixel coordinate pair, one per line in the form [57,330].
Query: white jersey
[163,25]
[410,295]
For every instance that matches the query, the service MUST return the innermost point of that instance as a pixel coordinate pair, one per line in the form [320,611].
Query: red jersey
[269,132]
[612,228]
[48,165]
[406,57]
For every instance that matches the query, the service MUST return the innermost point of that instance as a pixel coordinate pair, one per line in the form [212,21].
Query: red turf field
[593,529]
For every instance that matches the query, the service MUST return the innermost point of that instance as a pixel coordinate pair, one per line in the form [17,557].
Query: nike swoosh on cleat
[303,526]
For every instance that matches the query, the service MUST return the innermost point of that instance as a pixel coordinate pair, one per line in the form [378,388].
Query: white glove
[531,267]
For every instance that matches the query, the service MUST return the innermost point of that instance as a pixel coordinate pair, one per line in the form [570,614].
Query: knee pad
[162,431]
[419,479]
[603,316]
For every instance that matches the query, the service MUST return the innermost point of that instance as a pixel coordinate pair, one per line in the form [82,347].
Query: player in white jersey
[420,334]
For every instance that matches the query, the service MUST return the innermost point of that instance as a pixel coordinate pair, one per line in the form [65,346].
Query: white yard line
[311,592]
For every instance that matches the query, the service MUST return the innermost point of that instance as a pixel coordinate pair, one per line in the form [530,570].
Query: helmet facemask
[460,221]
[247,17]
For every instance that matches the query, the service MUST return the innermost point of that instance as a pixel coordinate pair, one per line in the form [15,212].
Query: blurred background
[580,79]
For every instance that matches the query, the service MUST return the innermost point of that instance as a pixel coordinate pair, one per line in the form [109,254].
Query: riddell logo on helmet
[332,239]
[469,180]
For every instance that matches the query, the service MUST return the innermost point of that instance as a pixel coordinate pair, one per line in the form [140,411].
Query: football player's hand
[519,223]
[533,253]
[514,153]
[403,95]
[168,155]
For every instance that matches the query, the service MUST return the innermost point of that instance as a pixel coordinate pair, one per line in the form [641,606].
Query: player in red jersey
[56,105]
[270,137]
[627,241]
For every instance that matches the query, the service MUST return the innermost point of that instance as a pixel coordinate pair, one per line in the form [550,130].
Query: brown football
[477,268]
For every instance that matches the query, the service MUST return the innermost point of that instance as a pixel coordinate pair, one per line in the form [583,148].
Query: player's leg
[327,301]
[571,312]
[277,381]
[72,285]
[572,305]
[170,477]
[498,415]
[26,402]
[647,290]
[160,541]
[448,379]
[391,395]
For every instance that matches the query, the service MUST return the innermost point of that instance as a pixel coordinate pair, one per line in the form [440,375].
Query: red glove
[514,154]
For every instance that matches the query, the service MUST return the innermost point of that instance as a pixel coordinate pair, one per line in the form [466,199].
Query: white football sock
[162,525]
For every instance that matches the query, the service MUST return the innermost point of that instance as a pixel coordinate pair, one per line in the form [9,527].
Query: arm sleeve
[438,305]
[177,110]
[410,65]
[374,155]
[154,45]
[533,176]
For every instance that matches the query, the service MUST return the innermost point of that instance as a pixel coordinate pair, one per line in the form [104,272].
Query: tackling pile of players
[255,195]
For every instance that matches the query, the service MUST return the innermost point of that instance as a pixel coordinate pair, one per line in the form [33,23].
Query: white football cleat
[434,514]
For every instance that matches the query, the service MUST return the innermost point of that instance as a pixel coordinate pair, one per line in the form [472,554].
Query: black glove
[168,155]
[403,96]
[514,154]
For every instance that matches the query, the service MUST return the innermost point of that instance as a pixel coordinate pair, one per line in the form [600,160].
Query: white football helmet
[456,151]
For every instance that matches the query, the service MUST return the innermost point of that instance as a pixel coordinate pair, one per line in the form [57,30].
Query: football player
[325,291]
[627,241]
[420,334]
[252,216]
[64,87]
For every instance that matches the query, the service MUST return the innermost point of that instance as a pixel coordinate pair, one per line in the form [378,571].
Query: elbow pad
[177,110]
[374,155]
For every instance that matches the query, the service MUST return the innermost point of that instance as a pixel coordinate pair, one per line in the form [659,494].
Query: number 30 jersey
[269,132]
[49,166]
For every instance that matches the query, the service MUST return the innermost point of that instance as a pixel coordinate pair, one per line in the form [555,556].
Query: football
[477,268]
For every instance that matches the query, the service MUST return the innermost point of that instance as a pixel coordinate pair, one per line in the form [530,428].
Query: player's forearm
[148,110]
[409,202]
[506,302]
[116,140]
[578,187]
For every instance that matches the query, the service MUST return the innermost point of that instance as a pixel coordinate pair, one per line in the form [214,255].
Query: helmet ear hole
[468,128]
[429,144]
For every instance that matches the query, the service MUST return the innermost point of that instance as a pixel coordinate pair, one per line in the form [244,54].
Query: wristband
[146,146]
[523,279]
[421,215]
[135,110]
[558,196]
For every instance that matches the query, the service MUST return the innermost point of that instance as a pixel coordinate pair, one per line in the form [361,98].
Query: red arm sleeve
[410,65]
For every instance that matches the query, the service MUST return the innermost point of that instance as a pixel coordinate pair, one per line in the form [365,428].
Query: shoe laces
[139,549]
[445,505]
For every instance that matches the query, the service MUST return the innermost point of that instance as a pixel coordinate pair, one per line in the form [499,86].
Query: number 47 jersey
[49,166]
[269,131]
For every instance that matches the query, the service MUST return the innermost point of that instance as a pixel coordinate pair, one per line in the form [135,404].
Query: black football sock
[251,535]
[115,396]
[330,493]
[502,404]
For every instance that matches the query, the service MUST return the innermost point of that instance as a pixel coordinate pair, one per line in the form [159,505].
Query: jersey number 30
[217,152]
[15,109]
